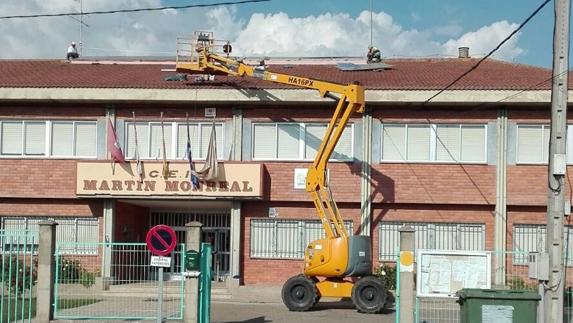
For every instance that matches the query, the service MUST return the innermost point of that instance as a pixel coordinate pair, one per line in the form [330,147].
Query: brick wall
[38,178]
[277,271]
[50,207]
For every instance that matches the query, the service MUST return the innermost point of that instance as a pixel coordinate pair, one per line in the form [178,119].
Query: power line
[133,10]
[490,53]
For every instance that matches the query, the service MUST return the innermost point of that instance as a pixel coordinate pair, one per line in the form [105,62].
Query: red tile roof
[406,74]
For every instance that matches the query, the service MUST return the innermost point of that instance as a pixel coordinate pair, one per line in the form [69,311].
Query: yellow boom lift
[339,265]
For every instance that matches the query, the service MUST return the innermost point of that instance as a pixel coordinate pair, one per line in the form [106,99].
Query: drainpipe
[500,218]
[365,187]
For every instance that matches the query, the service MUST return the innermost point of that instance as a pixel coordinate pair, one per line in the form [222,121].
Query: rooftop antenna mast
[370,23]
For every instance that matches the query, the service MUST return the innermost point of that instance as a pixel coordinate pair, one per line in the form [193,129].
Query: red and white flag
[113,145]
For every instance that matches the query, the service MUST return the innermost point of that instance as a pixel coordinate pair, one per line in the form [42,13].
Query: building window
[150,139]
[74,138]
[439,236]
[23,138]
[199,136]
[434,143]
[279,239]
[76,236]
[532,143]
[531,238]
[297,141]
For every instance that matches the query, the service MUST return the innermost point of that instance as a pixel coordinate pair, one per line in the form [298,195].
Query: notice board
[442,273]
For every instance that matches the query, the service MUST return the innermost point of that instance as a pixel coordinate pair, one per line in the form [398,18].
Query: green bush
[70,271]
[519,283]
[17,275]
[387,274]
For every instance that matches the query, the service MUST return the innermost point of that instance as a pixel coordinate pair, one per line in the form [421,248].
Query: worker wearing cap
[72,51]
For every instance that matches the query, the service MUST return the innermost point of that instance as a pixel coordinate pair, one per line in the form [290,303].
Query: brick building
[467,170]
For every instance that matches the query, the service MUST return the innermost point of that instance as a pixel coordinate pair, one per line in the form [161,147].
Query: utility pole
[553,296]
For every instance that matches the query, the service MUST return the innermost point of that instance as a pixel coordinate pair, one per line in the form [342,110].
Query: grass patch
[13,310]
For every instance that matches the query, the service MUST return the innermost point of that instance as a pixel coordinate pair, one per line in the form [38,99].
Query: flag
[192,173]
[139,167]
[210,169]
[165,170]
[113,145]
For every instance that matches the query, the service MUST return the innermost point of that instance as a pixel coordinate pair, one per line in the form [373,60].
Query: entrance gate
[216,230]
[18,267]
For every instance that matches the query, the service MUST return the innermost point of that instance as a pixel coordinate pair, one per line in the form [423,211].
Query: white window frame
[544,127]
[301,142]
[48,140]
[433,142]
[49,125]
[174,138]
[199,124]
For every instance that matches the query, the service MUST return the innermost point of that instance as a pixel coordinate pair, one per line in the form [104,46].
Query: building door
[216,230]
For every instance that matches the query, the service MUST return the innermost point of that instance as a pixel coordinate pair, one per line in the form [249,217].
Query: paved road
[326,312]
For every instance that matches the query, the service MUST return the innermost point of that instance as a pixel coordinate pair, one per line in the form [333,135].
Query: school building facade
[467,170]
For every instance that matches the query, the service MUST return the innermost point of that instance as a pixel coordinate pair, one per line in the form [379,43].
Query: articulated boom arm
[350,99]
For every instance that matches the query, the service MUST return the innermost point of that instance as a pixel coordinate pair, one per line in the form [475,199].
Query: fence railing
[128,291]
[446,310]
[18,275]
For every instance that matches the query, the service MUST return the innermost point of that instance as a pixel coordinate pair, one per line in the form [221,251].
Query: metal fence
[446,310]
[285,239]
[19,268]
[439,236]
[130,291]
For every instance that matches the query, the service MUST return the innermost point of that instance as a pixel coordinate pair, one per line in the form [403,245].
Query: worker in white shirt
[72,51]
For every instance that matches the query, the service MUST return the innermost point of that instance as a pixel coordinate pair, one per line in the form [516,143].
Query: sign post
[161,241]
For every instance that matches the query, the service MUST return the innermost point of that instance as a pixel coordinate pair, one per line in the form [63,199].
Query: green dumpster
[499,306]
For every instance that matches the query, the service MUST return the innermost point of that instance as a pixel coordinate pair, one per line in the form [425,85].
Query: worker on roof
[72,51]
[374,55]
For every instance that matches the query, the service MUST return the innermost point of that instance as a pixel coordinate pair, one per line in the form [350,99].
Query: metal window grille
[72,230]
[276,239]
[531,238]
[439,236]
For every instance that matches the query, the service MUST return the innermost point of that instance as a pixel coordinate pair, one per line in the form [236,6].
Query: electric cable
[475,66]
[206,5]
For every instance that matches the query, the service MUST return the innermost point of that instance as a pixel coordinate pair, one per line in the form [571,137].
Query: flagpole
[165,170]
[139,169]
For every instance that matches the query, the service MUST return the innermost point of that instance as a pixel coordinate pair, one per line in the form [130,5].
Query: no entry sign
[161,240]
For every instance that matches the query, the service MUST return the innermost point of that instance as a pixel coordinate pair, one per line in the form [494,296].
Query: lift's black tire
[369,295]
[299,293]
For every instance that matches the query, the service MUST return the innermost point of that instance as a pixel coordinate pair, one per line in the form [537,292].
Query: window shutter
[35,134]
[264,143]
[142,140]
[343,150]
[62,134]
[288,141]
[182,140]
[313,138]
[157,140]
[11,138]
[206,129]
[394,142]
[418,142]
[86,139]
[448,143]
[529,144]
[473,143]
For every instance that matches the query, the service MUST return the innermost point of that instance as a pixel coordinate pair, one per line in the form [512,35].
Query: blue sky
[414,28]
[535,38]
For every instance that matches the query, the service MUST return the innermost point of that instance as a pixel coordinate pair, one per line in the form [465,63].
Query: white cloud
[275,34]
[485,39]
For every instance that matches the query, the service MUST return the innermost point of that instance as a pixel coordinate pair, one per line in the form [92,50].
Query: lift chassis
[340,265]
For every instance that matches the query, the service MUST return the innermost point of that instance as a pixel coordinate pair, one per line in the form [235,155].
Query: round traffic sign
[161,240]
